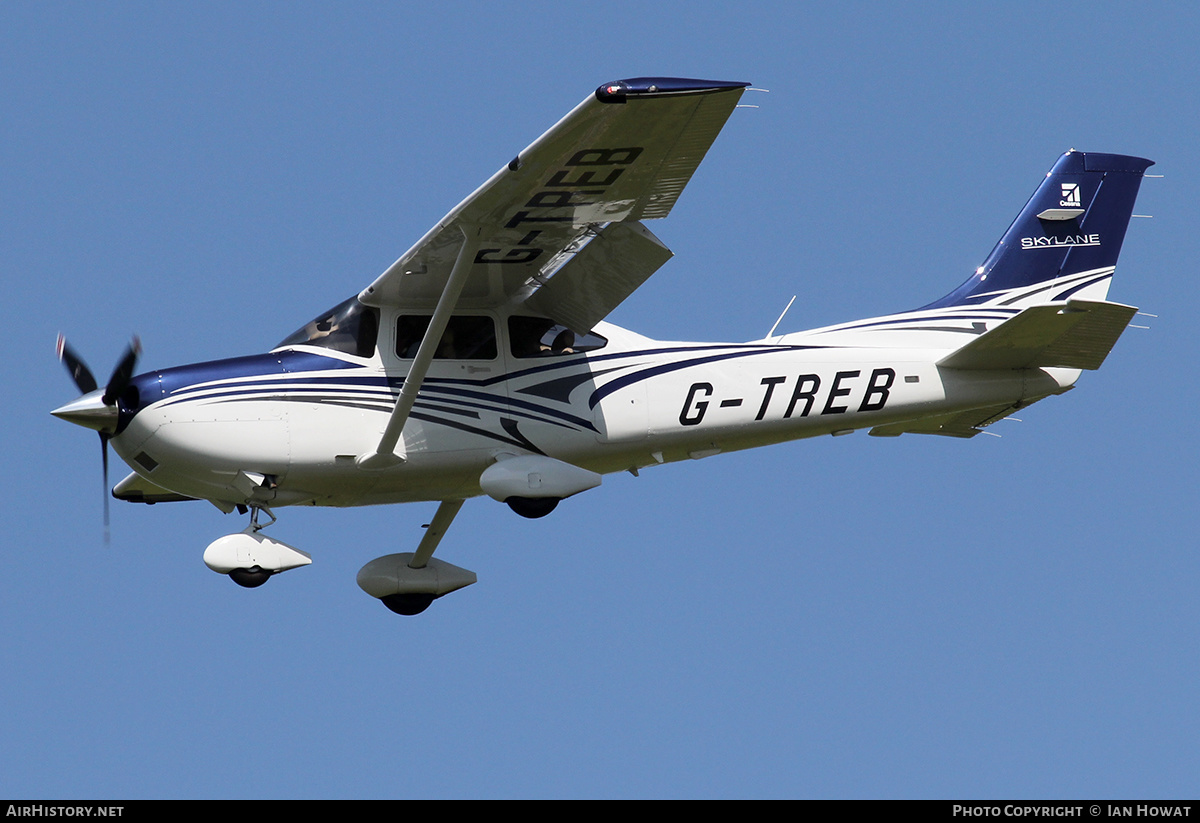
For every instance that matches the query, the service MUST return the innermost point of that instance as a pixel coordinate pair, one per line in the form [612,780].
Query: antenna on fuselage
[771,333]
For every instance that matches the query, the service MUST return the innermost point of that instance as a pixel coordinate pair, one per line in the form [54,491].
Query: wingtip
[620,90]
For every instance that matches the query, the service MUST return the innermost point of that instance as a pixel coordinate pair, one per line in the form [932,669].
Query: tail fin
[1066,240]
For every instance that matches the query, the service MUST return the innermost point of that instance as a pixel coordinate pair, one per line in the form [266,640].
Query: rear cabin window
[541,337]
[466,337]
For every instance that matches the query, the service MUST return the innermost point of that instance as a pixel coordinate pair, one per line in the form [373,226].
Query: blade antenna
[771,333]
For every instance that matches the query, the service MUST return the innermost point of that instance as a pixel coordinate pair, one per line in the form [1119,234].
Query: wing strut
[384,456]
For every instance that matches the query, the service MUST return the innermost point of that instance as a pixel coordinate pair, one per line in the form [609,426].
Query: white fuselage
[300,416]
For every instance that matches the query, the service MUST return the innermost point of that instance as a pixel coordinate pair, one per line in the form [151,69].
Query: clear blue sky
[851,617]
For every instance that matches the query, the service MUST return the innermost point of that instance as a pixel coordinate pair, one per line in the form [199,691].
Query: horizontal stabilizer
[1077,334]
[597,277]
[955,424]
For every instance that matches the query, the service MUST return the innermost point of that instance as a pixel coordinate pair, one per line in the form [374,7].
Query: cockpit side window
[542,337]
[467,337]
[348,327]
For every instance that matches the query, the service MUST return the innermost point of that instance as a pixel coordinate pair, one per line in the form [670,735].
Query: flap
[598,277]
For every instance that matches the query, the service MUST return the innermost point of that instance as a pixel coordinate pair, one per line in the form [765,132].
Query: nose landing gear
[250,578]
[251,558]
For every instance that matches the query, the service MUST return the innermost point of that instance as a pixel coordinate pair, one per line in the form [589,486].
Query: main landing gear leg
[408,582]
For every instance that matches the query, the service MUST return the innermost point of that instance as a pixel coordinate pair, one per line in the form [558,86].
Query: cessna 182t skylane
[479,362]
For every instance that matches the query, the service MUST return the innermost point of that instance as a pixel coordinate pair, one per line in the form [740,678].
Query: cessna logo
[1060,242]
[1070,196]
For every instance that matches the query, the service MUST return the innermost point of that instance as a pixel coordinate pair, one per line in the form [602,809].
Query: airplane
[480,363]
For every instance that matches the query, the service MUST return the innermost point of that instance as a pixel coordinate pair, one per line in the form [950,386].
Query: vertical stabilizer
[1066,240]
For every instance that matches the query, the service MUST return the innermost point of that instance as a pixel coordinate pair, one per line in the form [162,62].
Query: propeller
[99,413]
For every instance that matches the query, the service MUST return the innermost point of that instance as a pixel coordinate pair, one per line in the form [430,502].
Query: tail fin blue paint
[1067,238]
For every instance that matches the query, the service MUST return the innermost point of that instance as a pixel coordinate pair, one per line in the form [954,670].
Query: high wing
[557,227]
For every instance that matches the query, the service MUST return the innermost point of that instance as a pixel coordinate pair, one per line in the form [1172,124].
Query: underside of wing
[622,155]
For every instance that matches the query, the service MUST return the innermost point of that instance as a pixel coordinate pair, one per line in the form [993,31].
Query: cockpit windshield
[348,327]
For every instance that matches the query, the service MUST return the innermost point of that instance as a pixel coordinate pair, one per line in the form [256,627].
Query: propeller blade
[104,463]
[122,373]
[80,373]
[85,412]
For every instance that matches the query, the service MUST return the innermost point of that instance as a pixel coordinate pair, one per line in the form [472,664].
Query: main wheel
[250,578]
[532,507]
[408,603]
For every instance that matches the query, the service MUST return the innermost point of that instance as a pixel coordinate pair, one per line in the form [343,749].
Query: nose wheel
[250,558]
[250,578]
[254,576]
